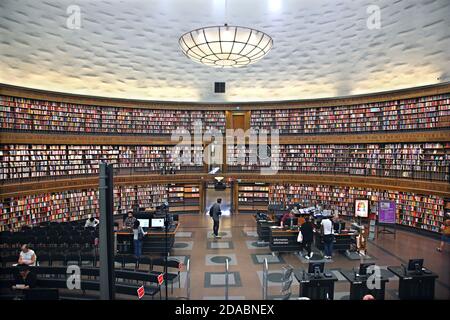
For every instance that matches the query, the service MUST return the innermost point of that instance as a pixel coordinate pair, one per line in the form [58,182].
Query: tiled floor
[239,243]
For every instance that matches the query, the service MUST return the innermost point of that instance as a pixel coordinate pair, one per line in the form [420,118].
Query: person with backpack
[138,237]
[215,214]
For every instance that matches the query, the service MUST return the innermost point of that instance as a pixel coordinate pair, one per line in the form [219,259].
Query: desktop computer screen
[415,265]
[363,268]
[158,223]
[144,223]
[316,265]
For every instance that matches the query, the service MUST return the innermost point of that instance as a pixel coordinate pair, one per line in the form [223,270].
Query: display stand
[384,230]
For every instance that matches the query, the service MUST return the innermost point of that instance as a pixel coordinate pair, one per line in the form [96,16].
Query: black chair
[43,257]
[144,260]
[72,257]
[57,257]
[130,260]
[41,294]
[171,264]
[87,257]
[9,260]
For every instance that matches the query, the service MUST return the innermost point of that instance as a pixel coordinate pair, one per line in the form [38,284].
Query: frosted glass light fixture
[225,46]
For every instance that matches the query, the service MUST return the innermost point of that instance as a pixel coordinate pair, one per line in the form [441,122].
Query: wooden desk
[414,286]
[359,288]
[316,289]
[263,228]
[154,241]
[284,240]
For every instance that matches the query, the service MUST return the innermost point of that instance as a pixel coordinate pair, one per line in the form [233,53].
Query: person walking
[307,233]
[445,237]
[328,237]
[215,214]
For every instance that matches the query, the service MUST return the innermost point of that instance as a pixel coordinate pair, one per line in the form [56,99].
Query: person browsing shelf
[328,237]
[129,221]
[27,256]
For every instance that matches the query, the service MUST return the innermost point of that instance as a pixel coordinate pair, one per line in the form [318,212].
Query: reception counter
[154,241]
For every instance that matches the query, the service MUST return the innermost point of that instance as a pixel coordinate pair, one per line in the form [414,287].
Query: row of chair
[127,281]
[85,258]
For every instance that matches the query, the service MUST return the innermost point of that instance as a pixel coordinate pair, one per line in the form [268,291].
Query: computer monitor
[338,226]
[158,223]
[316,266]
[415,265]
[363,268]
[144,223]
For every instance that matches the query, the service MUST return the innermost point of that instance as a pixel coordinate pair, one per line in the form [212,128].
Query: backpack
[140,235]
[211,211]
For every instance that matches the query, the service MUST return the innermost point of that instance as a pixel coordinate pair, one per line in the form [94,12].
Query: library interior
[225,150]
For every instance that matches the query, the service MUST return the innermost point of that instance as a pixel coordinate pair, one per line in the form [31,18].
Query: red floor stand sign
[141,292]
[160,279]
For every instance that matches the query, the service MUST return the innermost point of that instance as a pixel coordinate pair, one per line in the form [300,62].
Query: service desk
[284,240]
[315,288]
[263,229]
[414,286]
[342,241]
[359,286]
[154,241]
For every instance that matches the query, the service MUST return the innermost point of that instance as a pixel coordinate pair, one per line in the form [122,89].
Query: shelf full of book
[80,204]
[28,161]
[253,197]
[184,198]
[429,112]
[20,114]
[422,161]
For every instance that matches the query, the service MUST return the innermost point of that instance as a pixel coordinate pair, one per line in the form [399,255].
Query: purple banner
[387,211]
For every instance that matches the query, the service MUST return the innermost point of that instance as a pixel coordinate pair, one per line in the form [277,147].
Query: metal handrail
[188,279]
[226,279]
[265,279]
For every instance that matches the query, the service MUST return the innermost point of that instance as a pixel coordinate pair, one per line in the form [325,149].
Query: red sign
[141,292]
[160,279]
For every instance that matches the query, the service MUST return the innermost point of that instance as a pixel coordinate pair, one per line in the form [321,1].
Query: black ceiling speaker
[219,87]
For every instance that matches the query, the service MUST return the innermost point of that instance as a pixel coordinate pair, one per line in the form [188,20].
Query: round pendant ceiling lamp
[225,46]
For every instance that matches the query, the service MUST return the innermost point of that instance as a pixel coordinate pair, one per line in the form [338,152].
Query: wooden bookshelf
[424,212]
[426,161]
[20,114]
[28,161]
[424,113]
[253,197]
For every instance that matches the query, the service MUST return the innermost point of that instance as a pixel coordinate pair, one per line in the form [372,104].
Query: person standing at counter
[307,231]
[215,214]
[138,237]
[328,237]
[129,221]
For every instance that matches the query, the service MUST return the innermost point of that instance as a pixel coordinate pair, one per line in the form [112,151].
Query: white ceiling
[129,49]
